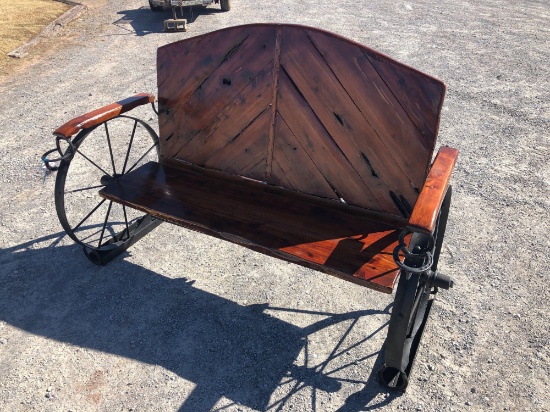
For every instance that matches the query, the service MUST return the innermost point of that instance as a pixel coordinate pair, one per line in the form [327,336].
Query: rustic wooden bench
[289,140]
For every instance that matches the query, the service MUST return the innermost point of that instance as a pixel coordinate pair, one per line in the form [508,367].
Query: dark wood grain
[235,84]
[378,105]
[323,151]
[103,114]
[420,95]
[292,166]
[424,215]
[340,127]
[327,235]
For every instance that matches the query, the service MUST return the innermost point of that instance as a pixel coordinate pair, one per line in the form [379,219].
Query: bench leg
[122,241]
[410,313]
[415,294]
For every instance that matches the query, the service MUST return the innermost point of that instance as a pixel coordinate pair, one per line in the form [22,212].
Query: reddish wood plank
[424,215]
[420,95]
[340,116]
[103,114]
[323,150]
[181,76]
[168,60]
[228,123]
[349,242]
[245,155]
[377,104]
[222,86]
[292,167]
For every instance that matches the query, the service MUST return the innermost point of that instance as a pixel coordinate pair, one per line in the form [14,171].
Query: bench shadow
[228,350]
[144,21]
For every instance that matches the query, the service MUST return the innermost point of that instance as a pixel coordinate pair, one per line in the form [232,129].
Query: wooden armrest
[101,115]
[424,215]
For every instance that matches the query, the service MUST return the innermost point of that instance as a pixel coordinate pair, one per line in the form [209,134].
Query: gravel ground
[187,322]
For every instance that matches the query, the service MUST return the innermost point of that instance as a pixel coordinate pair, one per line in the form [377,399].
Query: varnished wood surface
[330,236]
[424,215]
[103,114]
[303,109]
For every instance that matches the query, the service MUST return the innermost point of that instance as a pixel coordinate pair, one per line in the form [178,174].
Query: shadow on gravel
[144,21]
[226,349]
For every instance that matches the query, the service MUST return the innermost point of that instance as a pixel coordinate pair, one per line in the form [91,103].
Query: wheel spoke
[141,158]
[126,221]
[105,223]
[89,214]
[94,163]
[110,148]
[87,219]
[129,147]
[84,189]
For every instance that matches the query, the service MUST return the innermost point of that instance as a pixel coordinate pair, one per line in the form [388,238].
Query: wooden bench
[293,142]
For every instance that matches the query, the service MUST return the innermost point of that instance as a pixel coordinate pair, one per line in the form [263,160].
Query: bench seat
[326,235]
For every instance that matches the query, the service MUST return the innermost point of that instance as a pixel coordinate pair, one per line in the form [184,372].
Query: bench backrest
[300,108]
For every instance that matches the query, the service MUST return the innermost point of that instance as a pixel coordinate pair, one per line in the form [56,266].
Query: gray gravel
[186,321]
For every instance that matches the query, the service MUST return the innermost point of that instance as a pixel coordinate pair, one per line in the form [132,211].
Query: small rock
[431,367]
[467,403]
[473,390]
[3,341]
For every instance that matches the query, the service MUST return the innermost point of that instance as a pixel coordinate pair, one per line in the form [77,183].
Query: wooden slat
[313,137]
[246,154]
[169,60]
[339,239]
[424,215]
[420,95]
[181,72]
[377,104]
[292,166]
[342,119]
[225,125]
[245,65]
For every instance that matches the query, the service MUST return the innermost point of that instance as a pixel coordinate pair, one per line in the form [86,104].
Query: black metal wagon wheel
[413,300]
[93,159]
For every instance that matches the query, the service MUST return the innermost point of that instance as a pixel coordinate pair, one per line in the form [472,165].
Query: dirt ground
[20,20]
[186,322]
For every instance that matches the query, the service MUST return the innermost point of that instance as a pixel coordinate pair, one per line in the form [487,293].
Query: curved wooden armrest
[424,215]
[101,115]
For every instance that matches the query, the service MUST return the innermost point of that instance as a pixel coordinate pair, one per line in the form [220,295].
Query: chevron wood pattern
[303,109]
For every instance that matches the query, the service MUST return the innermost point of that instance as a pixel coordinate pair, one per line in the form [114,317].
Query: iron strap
[68,154]
[425,255]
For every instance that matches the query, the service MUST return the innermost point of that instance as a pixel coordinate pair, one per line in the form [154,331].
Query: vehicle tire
[153,7]
[225,4]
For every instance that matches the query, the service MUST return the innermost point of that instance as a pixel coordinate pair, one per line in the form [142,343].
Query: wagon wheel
[101,155]
[225,5]
[413,300]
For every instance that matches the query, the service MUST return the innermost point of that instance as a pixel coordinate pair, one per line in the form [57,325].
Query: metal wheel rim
[64,170]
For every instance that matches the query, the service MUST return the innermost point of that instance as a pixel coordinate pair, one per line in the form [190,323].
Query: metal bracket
[418,285]
[122,241]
